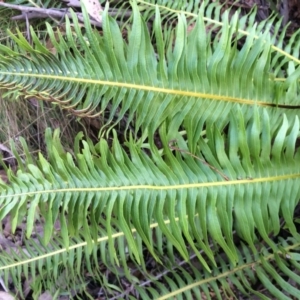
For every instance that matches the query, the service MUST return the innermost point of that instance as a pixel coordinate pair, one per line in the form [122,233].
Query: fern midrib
[161,187]
[152,89]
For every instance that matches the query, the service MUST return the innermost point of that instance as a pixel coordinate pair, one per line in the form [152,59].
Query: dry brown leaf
[6,296]
[3,176]
[45,296]
[93,8]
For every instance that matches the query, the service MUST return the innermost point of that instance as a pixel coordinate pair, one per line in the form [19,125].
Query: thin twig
[37,12]
[28,29]
[171,143]
[157,277]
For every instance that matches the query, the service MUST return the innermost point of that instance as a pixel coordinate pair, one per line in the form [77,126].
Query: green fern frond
[200,73]
[214,17]
[226,281]
[109,194]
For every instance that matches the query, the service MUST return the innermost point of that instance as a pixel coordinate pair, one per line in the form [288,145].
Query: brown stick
[202,160]
[37,12]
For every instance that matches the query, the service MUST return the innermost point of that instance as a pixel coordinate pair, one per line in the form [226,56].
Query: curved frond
[214,18]
[190,282]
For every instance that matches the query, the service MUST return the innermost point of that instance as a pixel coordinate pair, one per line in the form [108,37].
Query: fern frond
[184,199]
[190,282]
[200,74]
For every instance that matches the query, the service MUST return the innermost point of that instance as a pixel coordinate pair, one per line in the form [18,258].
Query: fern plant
[206,180]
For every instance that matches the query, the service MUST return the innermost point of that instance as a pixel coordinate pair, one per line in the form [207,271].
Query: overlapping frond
[194,73]
[214,18]
[227,281]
